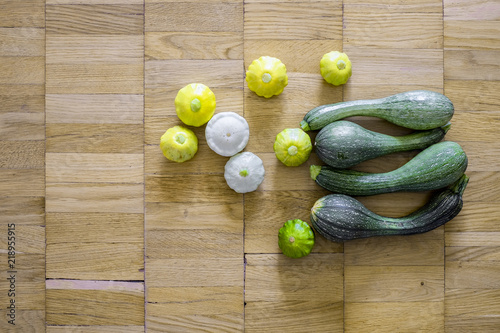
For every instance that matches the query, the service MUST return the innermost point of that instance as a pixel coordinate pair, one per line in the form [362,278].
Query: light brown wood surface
[112,237]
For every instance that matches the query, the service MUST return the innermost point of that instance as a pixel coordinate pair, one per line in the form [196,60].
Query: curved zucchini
[343,144]
[418,110]
[339,218]
[435,167]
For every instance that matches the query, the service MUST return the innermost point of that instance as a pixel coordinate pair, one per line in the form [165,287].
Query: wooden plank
[88,197]
[305,294]
[482,185]
[481,34]
[400,6]
[22,98]
[27,320]
[22,126]
[22,154]
[215,308]
[401,68]
[425,249]
[94,138]
[95,329]
[415,29]
[14,182]
[100,19]
[376,284]
[23,210]
[293,20]
[29,13]
[194,16]
[125,49]
[207,45]
[226,217]
[473,253]
[95,168]
[94,227]
[471,274]
[463,94]
[203,188]
[195,244]
[95,109]
[100,303]
[111,78]
[195,272]
[95,260]
[28,282]
[471,11]
[387,317]
[22,41]
[472,309]
[22,70]
[457,64]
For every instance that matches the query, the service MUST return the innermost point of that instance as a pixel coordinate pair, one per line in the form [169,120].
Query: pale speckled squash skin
[343,144]
[339,217]
[418,110]
[433,168]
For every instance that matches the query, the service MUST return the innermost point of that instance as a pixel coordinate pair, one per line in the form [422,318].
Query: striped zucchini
[435,167]
[418,110]
[343,144]
[339,217]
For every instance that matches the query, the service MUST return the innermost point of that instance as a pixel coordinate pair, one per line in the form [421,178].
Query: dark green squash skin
[433,168]
[339,217]
[418,110]
[343,144]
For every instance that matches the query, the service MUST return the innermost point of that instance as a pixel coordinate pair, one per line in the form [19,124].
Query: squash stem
[195,105]
[460,185]
[314,170]
[292,150]
[266,77]
[180,138]
[341,64]
[446,127]
[244,173]
[305,126]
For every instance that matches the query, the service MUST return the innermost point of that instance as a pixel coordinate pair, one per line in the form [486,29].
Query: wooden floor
[111,237]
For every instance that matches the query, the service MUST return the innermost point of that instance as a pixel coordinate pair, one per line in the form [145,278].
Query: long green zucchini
[343,144]
[435,167]
[339,217]
[418,110]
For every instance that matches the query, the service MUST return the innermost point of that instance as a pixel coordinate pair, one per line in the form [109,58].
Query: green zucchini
[339,217]
[418,110]
[343,144]
[435,167]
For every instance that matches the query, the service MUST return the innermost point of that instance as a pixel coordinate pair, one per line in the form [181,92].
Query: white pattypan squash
[227,133]
[244,172]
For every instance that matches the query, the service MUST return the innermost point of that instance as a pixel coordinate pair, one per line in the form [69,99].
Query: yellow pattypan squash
[179,144]
[292,146]
[336,68]
[195,104]
[267,76]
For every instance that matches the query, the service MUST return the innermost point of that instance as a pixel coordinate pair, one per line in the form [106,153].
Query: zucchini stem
[314,170]
[446,127]
[460,185]
[305,126]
